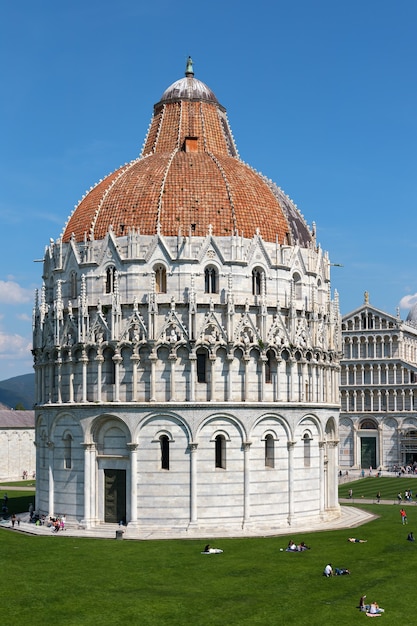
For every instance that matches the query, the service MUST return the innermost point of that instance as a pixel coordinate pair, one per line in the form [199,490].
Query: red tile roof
[189,173]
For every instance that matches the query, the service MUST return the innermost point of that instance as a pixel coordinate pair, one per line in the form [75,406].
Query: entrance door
[368,452]
[114,496]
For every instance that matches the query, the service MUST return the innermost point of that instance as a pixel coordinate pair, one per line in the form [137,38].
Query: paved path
[351,517]
[374,501]
[15,488]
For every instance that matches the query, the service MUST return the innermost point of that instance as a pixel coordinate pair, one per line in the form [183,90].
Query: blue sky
[321,98]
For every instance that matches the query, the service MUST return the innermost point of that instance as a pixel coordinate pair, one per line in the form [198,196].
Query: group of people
[293,547]
[371,609]
[408,496]
[56,523]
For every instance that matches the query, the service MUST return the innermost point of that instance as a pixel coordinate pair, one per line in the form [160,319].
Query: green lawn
[70,581]
[20,483]
[389,488]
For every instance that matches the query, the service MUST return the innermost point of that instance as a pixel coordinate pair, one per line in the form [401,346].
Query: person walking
[378,497]
[403,517]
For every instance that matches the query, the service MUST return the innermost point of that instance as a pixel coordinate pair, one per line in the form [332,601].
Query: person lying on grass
[354,540]
[209,550]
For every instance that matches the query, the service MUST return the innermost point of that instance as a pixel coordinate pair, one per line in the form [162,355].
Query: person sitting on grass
[291,546]
[410,537]
[374,609]
[328,570]
[302,547]
[362,604]
[354,540]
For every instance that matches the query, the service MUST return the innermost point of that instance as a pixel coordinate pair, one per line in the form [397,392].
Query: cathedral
[186,343]
[378,425]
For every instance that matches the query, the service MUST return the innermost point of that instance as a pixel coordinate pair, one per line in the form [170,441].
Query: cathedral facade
[186,343]
[378,423]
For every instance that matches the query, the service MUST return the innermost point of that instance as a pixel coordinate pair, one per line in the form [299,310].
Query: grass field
[70,581]
[388,487]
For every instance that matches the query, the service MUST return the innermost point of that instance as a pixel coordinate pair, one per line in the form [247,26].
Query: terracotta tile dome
[189,179]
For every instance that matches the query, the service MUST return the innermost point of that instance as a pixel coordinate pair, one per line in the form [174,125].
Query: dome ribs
[214,136]
[150,141]
[167,139]
[133,199]
[255,205]
[188,178]
[81,220]
[195,194]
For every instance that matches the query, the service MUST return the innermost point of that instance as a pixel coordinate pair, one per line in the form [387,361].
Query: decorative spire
[189,71]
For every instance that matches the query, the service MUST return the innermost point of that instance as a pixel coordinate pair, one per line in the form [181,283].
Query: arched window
[108,368]
[201,367]
[110,279]
[73,286]
[44,445]
[307,450]
[164,443]
[257,280]
[269,451]
[319,292]
[160,279]
[269,366]
[368,425]
[211,280]
[68,451]
[297,286]
[220,447]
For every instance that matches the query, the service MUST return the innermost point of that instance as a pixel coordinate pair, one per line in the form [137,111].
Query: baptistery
[186,343]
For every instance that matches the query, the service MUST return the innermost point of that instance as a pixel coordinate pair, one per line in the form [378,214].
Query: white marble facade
[17,439]
[188,381]
[125,375]
[378,424]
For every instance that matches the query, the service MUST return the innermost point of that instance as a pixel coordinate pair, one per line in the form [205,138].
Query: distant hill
[19,390]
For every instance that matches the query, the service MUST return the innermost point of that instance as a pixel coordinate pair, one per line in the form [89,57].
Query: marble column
[133,448]
[246,481]
[290,447]
[193,484]
[51,504]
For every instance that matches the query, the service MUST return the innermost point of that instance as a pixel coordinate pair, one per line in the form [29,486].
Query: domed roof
[188,88]
[188,179]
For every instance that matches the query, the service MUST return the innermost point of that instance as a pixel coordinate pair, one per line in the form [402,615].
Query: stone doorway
[368,452]
[114,496]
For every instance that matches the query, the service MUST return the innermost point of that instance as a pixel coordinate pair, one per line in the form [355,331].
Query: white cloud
[14,346]
[24,317]
[13,293]
[408,301]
